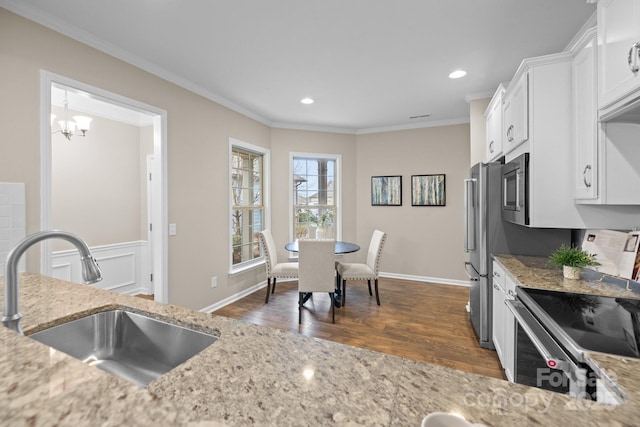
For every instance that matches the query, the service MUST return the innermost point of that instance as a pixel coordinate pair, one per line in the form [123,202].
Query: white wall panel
[126,267]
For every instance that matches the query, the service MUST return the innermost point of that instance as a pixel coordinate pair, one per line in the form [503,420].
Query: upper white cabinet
[619,52]
[606,166]
[516,113]
[493,117]
[584,75]
[619,153]
[547,80]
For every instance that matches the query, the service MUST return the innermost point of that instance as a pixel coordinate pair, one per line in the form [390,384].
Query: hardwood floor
[419,321]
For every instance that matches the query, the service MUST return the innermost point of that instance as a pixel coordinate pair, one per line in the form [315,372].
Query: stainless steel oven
[540,361]
[555,330]
[515,190]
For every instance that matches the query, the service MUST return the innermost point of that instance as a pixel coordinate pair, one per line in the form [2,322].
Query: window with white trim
[248,202]
[315,197]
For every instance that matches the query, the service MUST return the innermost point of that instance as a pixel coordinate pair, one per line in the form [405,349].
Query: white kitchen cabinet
[493,118]
[503,320]
[585,126]
[498,315]
[605,172]
[618,52]
[515,112]
[619,153]
[549,140]
[509,331]
[552,157]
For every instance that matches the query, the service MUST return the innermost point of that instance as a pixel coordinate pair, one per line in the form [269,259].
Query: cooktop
[597,323]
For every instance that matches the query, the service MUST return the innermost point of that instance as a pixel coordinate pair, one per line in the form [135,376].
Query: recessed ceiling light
[457,74]
[307,101]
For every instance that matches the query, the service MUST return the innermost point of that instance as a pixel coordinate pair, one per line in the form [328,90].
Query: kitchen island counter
[255,375]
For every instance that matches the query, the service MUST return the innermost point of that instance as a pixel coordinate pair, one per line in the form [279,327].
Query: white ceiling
[369,64]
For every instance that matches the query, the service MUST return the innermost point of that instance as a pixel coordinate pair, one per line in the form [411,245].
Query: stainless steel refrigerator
[486,233]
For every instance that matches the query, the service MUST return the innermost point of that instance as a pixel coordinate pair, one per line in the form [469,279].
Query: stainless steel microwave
[515,190]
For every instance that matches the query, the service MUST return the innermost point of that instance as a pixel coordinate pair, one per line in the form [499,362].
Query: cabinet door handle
[496,287]
[510,133]
[634,54]
[491,147]
[584,176]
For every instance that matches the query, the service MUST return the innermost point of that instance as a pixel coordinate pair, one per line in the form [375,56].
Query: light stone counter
[535,272]
[254,376]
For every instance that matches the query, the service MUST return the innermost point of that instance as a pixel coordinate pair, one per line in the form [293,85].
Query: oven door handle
[554,355]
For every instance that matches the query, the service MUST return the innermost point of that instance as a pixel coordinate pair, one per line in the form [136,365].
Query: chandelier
[68,127]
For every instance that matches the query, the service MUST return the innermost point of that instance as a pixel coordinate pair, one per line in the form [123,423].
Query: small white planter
[571,272]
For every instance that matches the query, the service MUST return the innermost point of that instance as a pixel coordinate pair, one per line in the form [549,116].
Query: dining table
[341,248]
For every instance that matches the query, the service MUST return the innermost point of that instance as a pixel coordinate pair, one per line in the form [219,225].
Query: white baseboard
[426,279]
[239,295]
[233,298]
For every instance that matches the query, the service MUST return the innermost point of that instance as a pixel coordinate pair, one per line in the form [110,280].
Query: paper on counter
[615,251]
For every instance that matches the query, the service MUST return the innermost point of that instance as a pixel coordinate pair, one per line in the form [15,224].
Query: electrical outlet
[214,281]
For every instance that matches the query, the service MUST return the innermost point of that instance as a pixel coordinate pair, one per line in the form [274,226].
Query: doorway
[111,108]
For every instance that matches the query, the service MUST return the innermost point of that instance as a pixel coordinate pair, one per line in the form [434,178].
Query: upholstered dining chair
[367,271]
[317,271]
[275,270]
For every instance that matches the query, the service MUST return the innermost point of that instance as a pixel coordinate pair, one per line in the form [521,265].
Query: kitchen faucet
[90,272]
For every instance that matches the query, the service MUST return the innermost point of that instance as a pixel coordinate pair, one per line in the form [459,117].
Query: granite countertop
[254,376]
[535,272]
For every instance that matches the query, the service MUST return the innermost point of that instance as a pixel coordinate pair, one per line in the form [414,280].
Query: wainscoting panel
[63,271]
[126,267]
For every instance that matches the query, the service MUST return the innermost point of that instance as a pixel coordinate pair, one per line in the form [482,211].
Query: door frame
[159,210]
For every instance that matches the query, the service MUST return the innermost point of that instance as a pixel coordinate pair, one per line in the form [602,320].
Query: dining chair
[317,271]
[367,271]
[275,270]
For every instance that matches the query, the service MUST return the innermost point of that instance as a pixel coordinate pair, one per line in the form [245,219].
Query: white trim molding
[160,210]
[235,297]
[266,201]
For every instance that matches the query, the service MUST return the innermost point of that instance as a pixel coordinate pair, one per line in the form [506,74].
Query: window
[247,202]
[315,199]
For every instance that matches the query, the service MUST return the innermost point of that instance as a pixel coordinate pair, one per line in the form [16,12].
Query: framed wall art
[428,190]
[386,190]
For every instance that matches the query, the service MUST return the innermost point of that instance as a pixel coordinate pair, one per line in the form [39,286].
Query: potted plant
[571,259]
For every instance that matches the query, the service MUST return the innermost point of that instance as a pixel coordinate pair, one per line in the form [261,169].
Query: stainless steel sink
[130,345]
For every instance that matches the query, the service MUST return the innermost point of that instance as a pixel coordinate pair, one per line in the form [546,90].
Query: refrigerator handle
[469,216]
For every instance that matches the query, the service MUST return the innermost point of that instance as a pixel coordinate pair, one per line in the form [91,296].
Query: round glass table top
[341,247]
